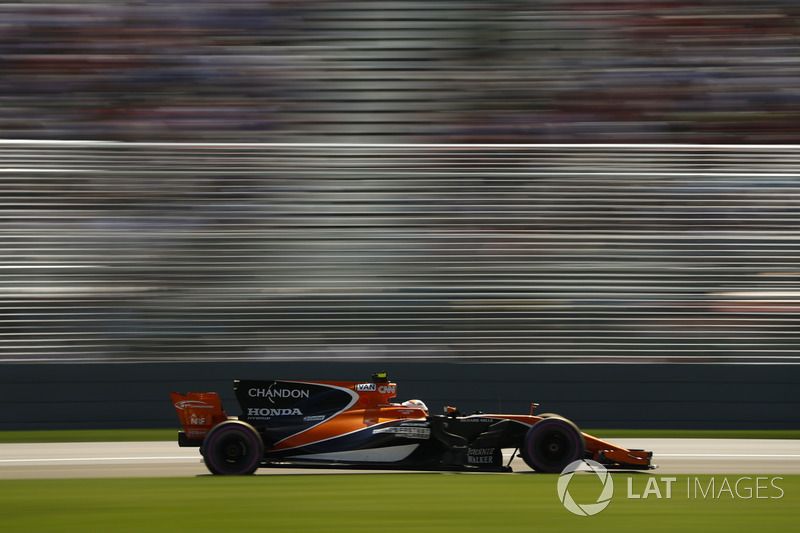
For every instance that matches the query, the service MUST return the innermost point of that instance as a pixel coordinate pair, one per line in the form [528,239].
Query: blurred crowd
[422,70]
[145,250]
[131,251]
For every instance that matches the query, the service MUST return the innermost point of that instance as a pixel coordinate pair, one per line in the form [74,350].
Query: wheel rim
[555,446]
[234,450]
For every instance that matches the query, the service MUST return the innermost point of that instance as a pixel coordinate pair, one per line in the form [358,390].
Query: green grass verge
[397,502]
[89,435]
[138,435]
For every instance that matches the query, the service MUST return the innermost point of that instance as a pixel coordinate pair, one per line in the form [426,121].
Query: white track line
[729,455]
[92,459]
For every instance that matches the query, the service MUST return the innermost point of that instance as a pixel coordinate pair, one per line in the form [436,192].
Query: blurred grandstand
[138,251]
[165,194]
[420,70]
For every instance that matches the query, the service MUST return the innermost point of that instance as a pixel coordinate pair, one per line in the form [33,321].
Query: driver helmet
[418,404]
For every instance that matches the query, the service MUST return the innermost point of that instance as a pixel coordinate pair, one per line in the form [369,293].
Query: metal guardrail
[540,252]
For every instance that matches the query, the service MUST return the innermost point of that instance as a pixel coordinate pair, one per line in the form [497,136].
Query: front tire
[553,443]
[233,448]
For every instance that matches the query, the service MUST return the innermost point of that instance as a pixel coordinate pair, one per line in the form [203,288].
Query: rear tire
[553,443]
[233,448]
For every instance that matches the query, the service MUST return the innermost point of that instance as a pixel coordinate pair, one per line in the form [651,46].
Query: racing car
[356,424]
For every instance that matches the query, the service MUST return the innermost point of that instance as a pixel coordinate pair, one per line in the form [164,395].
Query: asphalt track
[166,459]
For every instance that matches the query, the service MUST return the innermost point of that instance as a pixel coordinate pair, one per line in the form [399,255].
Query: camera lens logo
[586,509]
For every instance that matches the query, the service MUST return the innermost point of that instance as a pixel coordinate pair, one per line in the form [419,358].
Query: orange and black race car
[356,424]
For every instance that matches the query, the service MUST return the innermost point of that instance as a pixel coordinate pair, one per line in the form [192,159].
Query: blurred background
[424,70]
[149,212]
[145,251]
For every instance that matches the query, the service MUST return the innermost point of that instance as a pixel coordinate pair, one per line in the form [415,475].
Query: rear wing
[198,413]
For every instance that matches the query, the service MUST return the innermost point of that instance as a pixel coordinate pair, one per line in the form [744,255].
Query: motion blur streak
[400,70]
[162,251]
